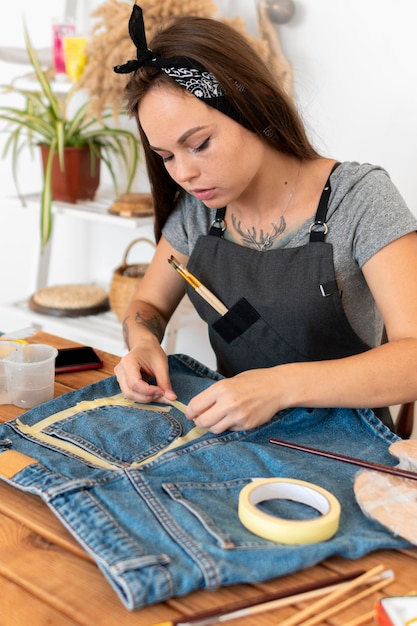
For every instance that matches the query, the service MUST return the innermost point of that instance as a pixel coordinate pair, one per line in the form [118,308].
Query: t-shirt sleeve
[377,213]
[187,222]
[174,231]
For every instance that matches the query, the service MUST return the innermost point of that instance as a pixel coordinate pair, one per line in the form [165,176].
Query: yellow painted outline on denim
[36,431]
[192,434]
[87,405]
[177,404]
[65,445]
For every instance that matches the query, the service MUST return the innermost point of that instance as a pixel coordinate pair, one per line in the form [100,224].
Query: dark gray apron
[284,304]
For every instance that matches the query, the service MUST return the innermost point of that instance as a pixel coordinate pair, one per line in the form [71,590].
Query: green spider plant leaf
[43,119]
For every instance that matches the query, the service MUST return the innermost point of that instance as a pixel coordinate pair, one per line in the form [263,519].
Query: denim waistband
[158,513]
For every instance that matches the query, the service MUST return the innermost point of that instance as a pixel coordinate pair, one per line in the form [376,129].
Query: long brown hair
[250,87]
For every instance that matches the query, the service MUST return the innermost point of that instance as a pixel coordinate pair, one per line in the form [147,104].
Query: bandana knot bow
[186,72]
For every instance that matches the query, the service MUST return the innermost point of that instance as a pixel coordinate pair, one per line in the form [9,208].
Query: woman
[312,257]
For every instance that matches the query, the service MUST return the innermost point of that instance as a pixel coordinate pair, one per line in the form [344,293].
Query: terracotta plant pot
[81,175]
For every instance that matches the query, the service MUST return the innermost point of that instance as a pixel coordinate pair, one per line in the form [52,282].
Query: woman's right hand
[143,373]
[147,315]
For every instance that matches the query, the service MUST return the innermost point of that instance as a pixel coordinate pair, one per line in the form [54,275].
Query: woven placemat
[70,300]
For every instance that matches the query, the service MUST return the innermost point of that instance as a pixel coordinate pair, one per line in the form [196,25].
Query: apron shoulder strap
[319,229]
[218,225]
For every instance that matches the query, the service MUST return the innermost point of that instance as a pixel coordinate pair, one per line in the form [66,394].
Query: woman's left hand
[244,401]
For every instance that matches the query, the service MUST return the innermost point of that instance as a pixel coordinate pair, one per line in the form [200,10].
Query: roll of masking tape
[284,530]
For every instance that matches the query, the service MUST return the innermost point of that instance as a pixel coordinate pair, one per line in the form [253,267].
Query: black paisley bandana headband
[186,72]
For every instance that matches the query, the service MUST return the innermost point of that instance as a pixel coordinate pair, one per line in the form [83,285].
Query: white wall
[355,78]
[356,85]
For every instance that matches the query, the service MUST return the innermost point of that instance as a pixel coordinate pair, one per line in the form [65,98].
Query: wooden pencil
[313,609]
[336,608]
[267,601]
[346,459]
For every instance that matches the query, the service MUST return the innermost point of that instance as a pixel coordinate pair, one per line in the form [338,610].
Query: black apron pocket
[248,338]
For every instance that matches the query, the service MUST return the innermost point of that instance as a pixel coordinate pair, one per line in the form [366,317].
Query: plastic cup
[30,372]
[6,347]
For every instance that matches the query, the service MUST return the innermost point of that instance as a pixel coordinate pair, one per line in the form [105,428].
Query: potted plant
[43,120]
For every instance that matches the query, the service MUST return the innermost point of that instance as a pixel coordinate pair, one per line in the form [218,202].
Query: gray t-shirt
[365,213]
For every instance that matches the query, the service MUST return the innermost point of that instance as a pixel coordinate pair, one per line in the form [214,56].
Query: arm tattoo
[153,323]
[125,330]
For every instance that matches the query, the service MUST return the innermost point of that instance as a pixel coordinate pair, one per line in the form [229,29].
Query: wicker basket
[125,281]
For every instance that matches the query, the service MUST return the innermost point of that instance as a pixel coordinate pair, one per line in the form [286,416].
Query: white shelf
[93,210]
[102,331]
[185,333]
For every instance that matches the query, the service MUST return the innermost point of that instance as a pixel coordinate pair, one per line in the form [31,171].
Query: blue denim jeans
[163,522]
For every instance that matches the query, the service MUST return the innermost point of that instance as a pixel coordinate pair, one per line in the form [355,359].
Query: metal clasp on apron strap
[319,229]
[218,225]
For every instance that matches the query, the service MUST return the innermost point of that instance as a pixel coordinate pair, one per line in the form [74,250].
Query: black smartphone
[76,359]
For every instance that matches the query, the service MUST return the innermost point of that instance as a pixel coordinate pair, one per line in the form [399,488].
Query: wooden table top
[46,578]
